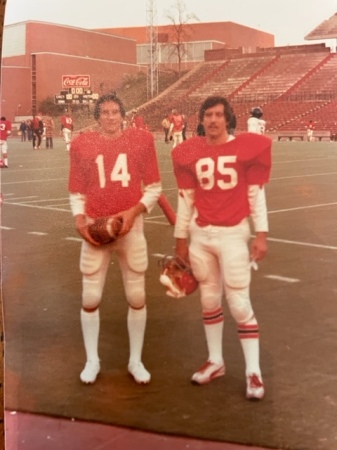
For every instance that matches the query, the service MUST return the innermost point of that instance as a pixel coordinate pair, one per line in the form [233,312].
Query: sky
[288,20]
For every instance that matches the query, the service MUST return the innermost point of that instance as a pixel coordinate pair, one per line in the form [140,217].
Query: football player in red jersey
[176,127]
[220,179]
[113,172]
[5,131]
[67,127]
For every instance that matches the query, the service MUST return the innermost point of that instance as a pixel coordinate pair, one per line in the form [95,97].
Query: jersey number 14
[119,171]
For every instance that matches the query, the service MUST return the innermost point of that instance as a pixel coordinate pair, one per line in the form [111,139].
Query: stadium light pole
[152,40]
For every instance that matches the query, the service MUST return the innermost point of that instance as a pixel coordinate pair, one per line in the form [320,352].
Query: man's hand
[181,249]
[81,226]
[258,248]
[128,217]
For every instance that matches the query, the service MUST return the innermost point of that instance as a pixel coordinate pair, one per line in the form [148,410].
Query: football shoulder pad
[176,275]
[105,230]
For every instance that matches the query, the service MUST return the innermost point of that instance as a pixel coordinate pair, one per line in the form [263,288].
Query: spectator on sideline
[5,131]
[49,131]
[29,130]
[185,127]
[310,131]
[137,120]
[37,131]
[166,127]
[232,125]
[23,131]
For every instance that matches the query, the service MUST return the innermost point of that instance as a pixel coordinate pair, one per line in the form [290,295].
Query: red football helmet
[176,275]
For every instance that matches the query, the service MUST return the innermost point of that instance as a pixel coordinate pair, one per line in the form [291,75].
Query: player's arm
[185,209]
[149,199]
[77,205]
[151,195]
[259,215]
[151,191]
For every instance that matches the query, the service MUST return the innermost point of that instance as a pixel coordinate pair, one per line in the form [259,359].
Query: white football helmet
[176,275]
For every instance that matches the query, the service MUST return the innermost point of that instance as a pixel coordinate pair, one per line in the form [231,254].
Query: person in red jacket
[5,131]
[37,131]
[137,120]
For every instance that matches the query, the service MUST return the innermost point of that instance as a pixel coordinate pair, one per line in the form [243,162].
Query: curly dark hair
[108,98]
[213,101]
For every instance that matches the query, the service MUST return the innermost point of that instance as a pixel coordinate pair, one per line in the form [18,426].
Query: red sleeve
[77,172]
[256,156]
[182,159]
[150,167]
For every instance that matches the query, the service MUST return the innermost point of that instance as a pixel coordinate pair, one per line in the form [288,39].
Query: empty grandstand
[293,85]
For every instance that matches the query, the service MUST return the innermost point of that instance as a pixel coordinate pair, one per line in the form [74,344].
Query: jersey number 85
[206,168]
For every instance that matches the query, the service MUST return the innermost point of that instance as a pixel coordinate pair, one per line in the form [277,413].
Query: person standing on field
[67,127]
[5,131]
[113,174]
[221,183]
[176,127]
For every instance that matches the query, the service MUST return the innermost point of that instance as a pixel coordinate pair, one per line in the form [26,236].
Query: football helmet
[256,112]
[176,275]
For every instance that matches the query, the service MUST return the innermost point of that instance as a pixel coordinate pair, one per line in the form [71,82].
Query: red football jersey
[111,172]
[67,122]
[178,122]
[138,122]
[220,175]
[5,127]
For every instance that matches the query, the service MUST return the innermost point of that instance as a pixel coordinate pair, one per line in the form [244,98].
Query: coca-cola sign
[69,81]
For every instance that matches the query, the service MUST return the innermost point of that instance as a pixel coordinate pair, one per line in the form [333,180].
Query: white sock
[213,324]
[249,338]
[90,323]
[214,342]
[136,323]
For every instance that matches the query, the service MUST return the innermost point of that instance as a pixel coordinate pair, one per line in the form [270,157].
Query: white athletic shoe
[208,372]
[255,387]
[139,373]
[90,372]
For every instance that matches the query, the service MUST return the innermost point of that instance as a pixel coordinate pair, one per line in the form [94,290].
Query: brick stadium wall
[52,38]
[232,34]
[62,50]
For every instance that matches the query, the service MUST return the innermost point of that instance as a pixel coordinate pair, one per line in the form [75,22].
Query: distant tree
[178,18]
[48,106]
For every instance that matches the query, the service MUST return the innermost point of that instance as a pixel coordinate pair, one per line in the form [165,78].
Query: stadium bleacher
[292,84]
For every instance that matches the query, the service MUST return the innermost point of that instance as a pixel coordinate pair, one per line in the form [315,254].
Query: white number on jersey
[119,171]
[205,169]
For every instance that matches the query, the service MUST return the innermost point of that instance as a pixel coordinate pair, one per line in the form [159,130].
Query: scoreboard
[75,96]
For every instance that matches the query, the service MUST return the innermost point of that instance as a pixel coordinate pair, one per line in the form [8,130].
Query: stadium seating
[292,84]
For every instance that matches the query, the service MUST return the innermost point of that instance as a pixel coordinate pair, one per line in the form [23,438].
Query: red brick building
[199,37]
[35,56]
